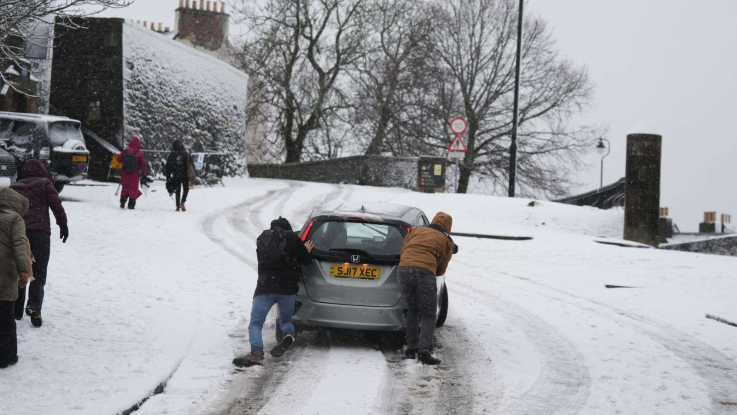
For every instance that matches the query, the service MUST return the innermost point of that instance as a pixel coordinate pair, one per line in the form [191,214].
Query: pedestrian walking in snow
[425,254]
[133,172]
[176,171]
[280,255]
[42,196]
[14,270]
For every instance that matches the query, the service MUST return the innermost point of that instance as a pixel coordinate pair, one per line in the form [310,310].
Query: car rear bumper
[312,314]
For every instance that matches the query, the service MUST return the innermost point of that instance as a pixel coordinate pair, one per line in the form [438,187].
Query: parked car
[352,282]
[7,165]
[57,141]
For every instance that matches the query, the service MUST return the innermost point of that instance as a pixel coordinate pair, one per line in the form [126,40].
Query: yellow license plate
[360,272]
[80,159]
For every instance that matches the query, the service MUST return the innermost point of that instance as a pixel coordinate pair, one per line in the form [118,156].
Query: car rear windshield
[61,132]
[375,239]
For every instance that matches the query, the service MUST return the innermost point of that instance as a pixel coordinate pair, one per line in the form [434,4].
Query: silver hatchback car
[352,282]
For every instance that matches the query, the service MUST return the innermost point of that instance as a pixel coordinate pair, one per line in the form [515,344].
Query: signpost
[457,149]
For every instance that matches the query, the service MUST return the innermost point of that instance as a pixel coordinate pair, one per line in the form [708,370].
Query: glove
[64,234]
[143,181]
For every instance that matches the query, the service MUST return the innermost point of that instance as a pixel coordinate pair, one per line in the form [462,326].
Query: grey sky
[669,63]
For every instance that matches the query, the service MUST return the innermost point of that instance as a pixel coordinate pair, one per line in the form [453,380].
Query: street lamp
[601,148]
[515,115]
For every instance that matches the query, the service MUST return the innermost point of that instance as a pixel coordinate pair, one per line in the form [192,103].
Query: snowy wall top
[173,92]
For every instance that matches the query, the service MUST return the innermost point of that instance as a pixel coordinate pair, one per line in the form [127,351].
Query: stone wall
[717,246]
[363,170]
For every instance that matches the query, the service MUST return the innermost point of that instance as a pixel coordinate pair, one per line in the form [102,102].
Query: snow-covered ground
[138,298]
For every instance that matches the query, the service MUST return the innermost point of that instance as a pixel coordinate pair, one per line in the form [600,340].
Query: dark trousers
[41,249]
[8,337]
[181,196]
[420,291]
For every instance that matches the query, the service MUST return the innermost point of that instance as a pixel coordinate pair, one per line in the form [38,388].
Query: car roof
[370,211]
[34,117]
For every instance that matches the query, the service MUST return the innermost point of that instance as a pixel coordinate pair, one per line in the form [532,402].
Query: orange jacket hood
[444,220]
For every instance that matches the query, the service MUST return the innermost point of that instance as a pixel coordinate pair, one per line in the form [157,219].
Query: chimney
[161,27]
[145,23]
[187,4]
[203,24]
[181,3]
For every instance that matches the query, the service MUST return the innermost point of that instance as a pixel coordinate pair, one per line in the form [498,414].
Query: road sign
[456,155]
[458,126]
[457,145]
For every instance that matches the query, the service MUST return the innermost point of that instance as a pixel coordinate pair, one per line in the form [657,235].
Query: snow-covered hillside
[136,298]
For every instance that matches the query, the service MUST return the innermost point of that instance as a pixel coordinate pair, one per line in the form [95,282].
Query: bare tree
[393,68]
[475,42]
[20,20]
[298,50]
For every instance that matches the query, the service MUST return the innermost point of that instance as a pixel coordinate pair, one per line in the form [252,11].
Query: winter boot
[184,209]
[132,204]
[281,348]
[36,319]
[123,199]
[12,361]
[179,207]
[255,358]
[410,353]
[426,358]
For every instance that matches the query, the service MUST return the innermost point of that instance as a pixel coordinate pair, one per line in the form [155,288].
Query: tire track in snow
[564,384]
[718,370]
[248,395]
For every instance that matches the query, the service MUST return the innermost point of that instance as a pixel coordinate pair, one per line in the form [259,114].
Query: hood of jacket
[12,200]
[177,146]
[134,146]
[34,168]
[443,220]
[281,223]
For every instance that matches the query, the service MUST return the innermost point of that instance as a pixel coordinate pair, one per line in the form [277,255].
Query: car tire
[59,186]
[443,314]
[278,332]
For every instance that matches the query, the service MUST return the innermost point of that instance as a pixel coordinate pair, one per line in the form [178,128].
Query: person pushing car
[426,252]
[280,253]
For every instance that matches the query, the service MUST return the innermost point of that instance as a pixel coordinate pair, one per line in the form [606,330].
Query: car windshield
[61,132]
[367,238]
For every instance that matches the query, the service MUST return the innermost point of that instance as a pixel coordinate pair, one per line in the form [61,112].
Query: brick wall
[208,29]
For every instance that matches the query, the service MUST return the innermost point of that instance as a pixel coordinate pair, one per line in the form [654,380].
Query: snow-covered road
[531,329]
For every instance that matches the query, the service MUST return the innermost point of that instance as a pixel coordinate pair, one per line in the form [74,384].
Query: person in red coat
[134,168]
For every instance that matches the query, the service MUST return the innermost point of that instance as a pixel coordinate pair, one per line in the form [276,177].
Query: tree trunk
[294,151]
[464,176]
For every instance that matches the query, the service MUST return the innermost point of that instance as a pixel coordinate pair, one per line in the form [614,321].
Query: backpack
[271,249]
[130,163]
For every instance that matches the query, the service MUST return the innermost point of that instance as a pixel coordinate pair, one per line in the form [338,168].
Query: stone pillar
[642,197]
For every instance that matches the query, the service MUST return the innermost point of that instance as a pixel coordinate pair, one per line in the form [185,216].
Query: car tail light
[44,154]
[307,231]
[54,177]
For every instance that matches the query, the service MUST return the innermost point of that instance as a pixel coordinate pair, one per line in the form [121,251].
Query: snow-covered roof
[379,210]
[34,117]
[172,91]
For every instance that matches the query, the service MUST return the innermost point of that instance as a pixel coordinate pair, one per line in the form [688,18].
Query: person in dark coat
[14,269]
[133,171]
[177,165]
[41,195]
[277,284]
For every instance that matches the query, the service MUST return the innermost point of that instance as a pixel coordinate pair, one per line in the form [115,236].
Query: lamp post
[601,148]
[515,116]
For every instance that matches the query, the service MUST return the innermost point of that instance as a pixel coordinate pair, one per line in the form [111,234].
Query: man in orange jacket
[426,253]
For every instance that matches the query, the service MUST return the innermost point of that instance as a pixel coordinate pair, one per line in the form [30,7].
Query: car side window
[424,220]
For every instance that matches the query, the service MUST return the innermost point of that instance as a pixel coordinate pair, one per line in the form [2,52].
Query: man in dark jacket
[177,165]
[426,252]
[41,195]
[280,256]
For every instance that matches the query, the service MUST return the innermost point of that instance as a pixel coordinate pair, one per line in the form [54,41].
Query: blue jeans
[260,309]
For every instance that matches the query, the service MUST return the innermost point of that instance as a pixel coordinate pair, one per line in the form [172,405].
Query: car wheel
[279,333]
[58,186]
[443,314]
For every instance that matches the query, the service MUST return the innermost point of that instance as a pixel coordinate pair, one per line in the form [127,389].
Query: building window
[94,112]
